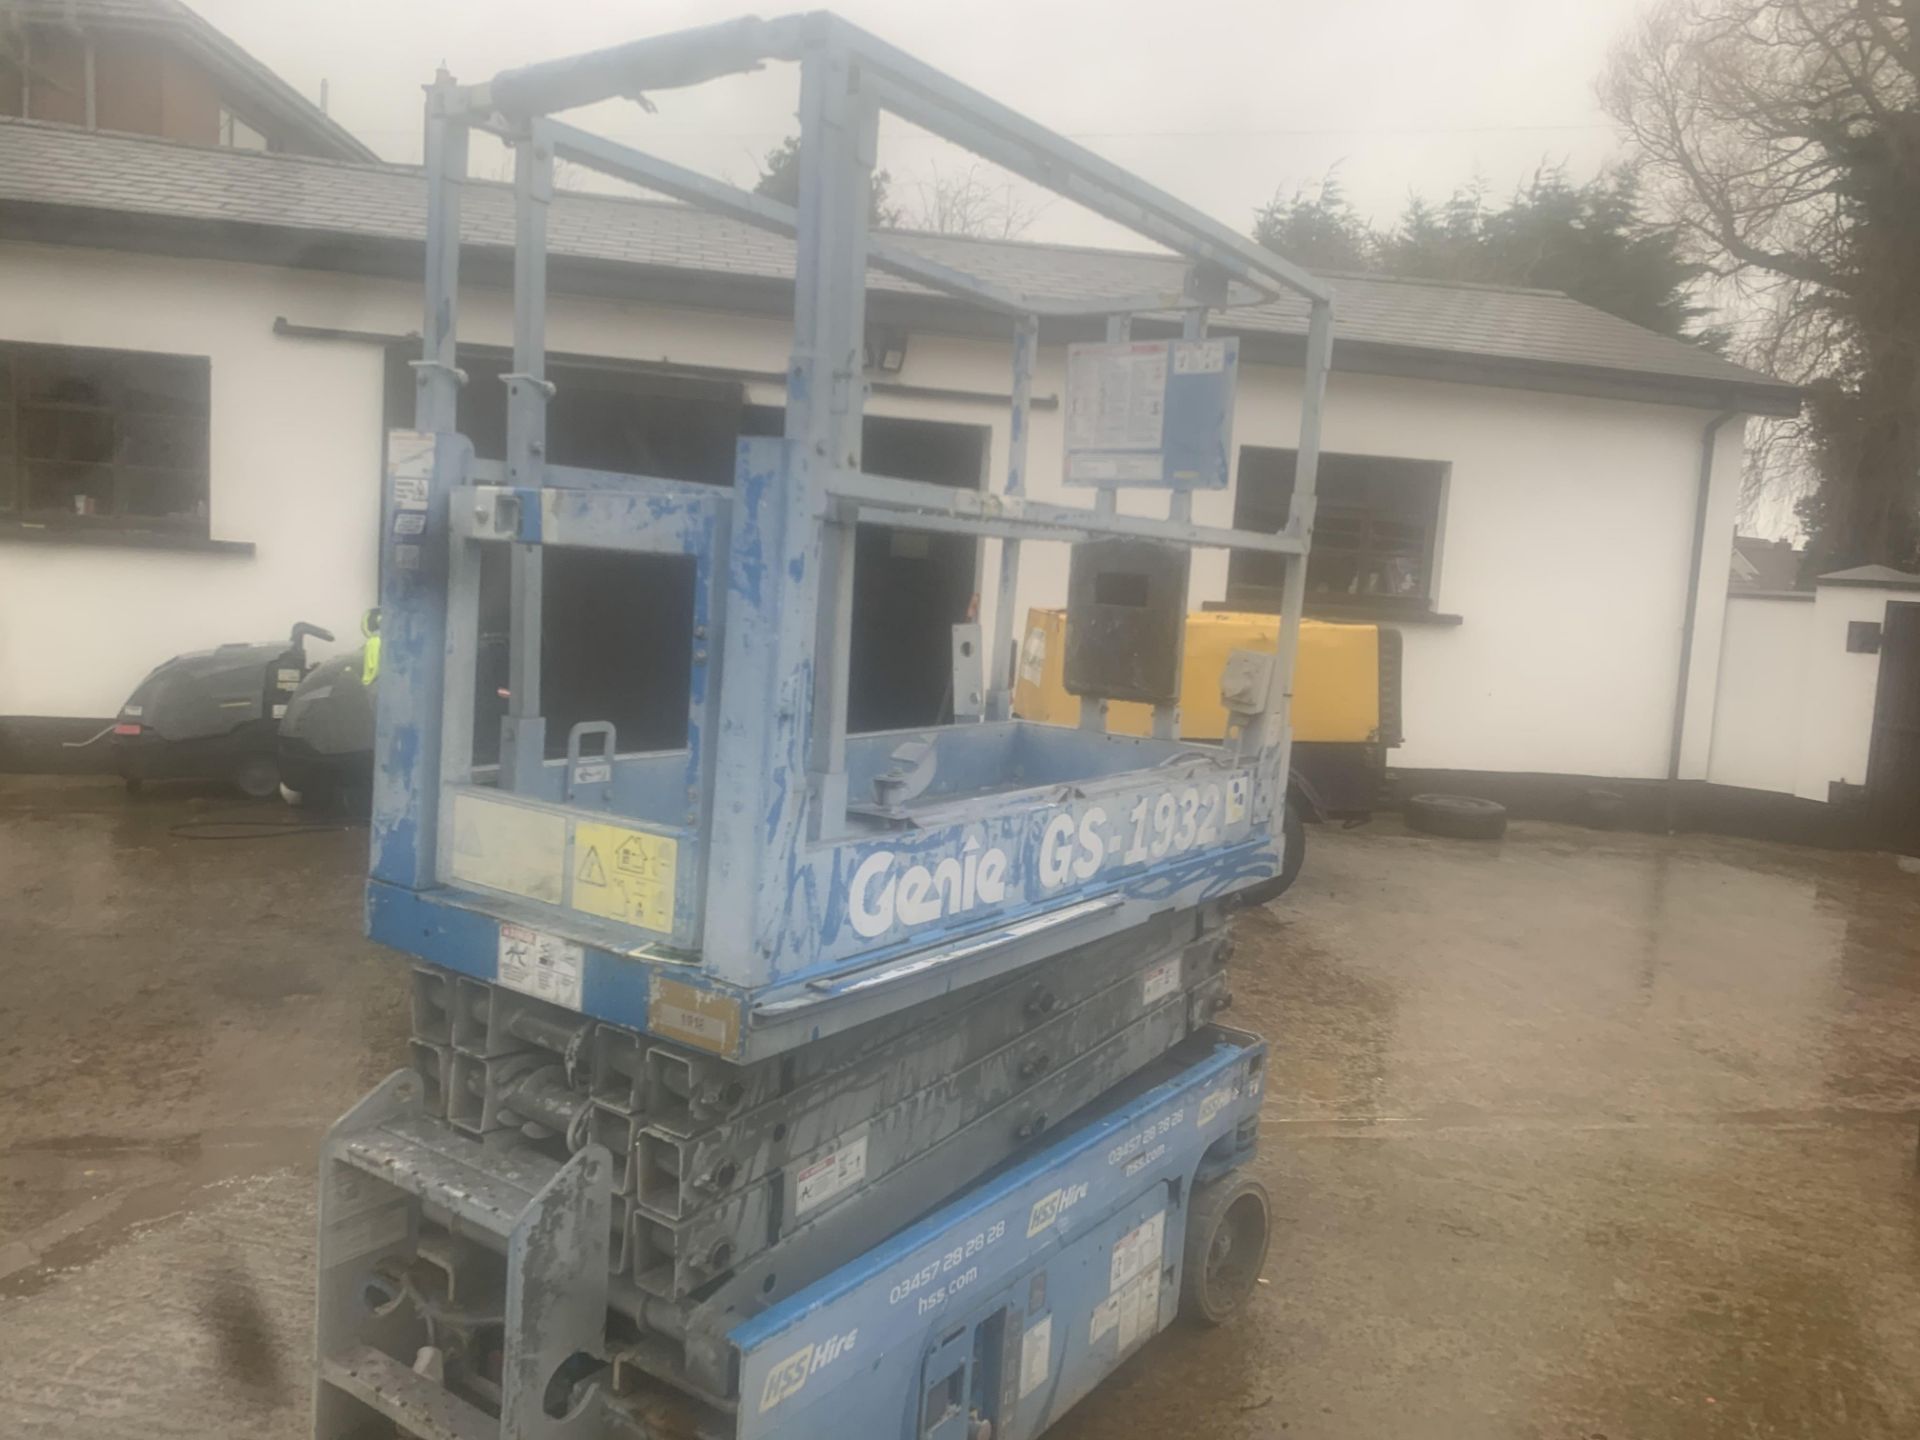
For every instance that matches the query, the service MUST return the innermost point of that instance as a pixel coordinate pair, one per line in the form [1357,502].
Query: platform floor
[1576,1136]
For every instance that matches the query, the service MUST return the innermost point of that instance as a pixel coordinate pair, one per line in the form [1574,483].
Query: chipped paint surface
[772,857]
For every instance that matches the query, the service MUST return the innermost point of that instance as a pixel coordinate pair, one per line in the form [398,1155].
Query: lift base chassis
[1000,1309]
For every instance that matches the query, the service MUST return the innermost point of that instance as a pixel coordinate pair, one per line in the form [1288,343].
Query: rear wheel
[1226,1248]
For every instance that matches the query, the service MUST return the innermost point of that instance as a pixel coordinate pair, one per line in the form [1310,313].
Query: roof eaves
[222,54]
[221,49]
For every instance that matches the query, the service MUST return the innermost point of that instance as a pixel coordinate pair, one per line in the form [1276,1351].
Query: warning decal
[591,872]
[833,1174]
[541,965]
[624,875]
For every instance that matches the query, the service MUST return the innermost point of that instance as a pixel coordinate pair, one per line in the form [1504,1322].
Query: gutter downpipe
[1709,434]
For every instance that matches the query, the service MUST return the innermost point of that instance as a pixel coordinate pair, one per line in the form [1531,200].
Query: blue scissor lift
[795,1081]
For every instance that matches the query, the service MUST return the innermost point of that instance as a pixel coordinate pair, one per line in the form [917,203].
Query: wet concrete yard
[1580,1135]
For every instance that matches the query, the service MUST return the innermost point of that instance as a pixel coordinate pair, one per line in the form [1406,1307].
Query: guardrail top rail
[776,877]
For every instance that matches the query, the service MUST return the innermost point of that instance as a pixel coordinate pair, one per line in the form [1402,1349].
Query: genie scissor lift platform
[793,1081]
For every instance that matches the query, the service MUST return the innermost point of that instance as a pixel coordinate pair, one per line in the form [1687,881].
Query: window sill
[111,538]
[1381,615]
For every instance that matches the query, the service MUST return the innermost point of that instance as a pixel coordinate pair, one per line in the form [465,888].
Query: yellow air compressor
[1346,698]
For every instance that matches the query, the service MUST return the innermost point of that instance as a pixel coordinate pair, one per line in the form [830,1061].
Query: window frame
[231,122]
[20,413]
[1243,593]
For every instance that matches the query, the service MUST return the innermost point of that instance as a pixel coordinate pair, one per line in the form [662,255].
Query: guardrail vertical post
[1106,501]
[437,375]
[1276,727]
[839,128]
[422,467]
[523,739]
[1166,717]
[1007,626]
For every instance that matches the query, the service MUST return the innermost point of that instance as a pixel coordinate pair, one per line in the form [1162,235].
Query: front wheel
[1226,1248]
[257,777]
[1293,854]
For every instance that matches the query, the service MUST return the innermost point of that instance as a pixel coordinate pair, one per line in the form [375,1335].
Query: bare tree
[971,202]
[1783,137]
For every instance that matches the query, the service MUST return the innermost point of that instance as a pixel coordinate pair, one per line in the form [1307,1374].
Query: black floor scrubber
[213,714]
[326,735]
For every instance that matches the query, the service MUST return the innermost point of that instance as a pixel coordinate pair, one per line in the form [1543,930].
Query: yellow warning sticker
[705,1019]
[624,875]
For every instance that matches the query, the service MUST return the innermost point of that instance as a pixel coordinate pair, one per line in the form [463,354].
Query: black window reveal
[1376,532]
[103,438]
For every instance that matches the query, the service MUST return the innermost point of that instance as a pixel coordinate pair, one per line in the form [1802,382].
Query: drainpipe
[1708,436]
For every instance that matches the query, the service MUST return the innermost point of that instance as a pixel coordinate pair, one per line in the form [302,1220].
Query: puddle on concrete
[192,1168]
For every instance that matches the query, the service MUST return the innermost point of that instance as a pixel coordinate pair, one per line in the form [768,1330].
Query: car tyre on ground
[1459,817]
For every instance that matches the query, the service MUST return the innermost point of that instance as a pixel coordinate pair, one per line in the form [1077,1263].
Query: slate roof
[1765,565]
[1876,577]
[249,79]
[54,178]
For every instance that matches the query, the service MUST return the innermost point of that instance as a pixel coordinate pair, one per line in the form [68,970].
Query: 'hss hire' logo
[1049,1207]
[786,1378]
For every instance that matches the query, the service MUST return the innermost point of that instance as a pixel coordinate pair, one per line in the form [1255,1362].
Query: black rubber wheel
[1459,817]
[1226,1248]
[257,777]
[1293,854]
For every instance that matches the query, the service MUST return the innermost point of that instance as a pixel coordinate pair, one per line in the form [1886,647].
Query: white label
[1199,357]
[286,676]
[1116,396]
[541,965]
[1095,469]
[1236,799]
[133,710]
[592,772]
[410,522]
[1138,1250]
[1161,981]
[1036,1355]
[829,1176]
[409,461]
[1106,1315]
[1211,1105]
[409,489]
[1033,656]
[1132,1312]
[1139,1309]
[406,557]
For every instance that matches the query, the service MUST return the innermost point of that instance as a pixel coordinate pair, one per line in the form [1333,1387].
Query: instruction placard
[1117,396]
[1151,412]
[624,875]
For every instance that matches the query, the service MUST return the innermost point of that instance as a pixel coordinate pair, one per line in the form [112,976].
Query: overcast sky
[1219,102]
